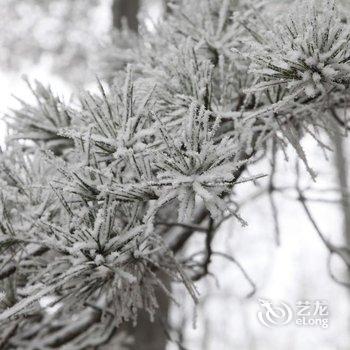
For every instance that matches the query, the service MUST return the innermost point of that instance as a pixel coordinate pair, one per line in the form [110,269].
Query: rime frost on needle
[95,200]
[306,52]
[193,164]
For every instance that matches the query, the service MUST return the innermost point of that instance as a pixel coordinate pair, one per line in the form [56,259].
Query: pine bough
[86,190]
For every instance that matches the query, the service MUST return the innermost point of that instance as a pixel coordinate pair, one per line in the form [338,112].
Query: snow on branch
[97,200]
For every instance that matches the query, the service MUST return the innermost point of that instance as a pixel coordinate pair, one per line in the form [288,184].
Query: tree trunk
[149,335]
[146,335]
[127,9]
[341,164]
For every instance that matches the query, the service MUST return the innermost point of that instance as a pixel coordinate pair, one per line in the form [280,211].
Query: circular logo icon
[273,315]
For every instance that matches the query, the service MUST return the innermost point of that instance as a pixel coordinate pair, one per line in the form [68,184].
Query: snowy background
[296,270]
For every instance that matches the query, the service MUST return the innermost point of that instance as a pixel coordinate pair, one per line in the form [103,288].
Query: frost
[90,210]
[309,50]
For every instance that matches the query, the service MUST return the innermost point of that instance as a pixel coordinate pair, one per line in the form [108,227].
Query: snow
[165,164]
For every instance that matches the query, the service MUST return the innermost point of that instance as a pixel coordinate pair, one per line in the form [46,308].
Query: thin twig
[240,267]
[271,194]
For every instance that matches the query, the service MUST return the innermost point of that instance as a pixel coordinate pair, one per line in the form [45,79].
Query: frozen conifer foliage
[98,197]
[308,51]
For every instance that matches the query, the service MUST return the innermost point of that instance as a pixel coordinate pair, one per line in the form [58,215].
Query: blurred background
[62,43]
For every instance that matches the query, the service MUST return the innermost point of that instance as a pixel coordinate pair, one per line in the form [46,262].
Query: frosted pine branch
[96,201]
